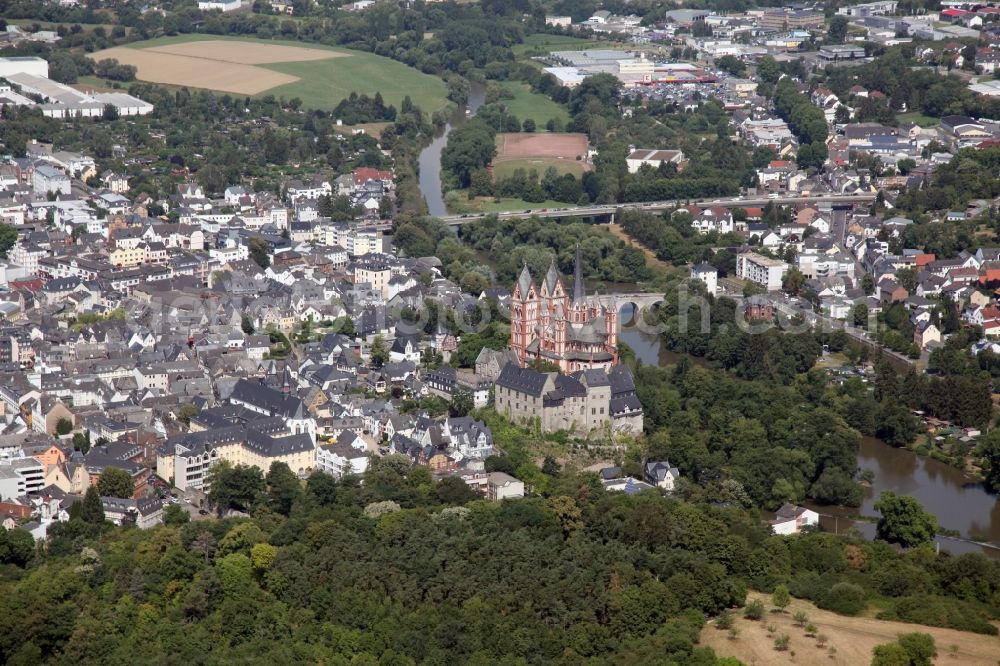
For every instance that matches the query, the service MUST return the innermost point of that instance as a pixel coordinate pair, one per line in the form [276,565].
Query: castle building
[580,402]
[573,332]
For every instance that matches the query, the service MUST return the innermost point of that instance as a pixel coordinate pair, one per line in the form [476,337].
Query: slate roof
[399,344]
[144,506]
[268,399]
[658,470]
[789,511]
[270,446]
[593,377]
[522,380]
[621,380]
[565,387]
[608,473]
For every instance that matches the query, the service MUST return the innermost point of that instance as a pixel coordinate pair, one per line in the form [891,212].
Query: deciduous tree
[115,482]
[904,520]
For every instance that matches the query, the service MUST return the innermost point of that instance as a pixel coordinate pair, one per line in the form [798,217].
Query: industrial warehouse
[27,82]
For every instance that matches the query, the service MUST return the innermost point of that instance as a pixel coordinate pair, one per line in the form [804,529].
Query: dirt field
[565,146]
[196,72]
[849,639]
[540,151]
[245,54]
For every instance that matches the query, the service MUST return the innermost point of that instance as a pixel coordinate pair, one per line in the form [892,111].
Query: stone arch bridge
[643,301]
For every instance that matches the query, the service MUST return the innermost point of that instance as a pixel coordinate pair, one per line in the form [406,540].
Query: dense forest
[782,443]
[408,570]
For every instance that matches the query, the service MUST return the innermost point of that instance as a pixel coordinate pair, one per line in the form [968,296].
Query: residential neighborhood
[499,332]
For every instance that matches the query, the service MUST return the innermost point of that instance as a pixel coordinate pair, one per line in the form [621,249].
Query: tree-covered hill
[406,570]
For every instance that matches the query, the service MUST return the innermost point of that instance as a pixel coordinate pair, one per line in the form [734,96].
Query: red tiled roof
[365,174]
[990,275]
[33,284]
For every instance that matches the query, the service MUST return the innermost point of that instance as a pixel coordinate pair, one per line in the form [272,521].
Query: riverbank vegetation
[883,407]
[761,434]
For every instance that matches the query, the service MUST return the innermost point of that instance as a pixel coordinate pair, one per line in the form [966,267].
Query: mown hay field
[320,76]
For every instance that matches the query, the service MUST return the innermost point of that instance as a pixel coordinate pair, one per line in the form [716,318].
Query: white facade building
[20,476]
[790,519]
[45,179]
[708,274]
[653,158]
[501,486]
[761,270]
[220,5]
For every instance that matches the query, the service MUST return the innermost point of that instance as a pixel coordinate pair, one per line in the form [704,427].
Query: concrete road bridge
[608,211]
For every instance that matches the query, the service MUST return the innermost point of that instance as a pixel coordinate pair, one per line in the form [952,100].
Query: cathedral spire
[524,281]
[552,277]
[579,293]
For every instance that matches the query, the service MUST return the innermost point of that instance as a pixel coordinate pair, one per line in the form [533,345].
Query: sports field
[536,151]
[507,168]
[542,42]
[320,76]
[526,104]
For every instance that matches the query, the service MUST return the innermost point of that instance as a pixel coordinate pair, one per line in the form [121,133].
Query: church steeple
[551,277]
[524,281]
[579,293]
[286,380]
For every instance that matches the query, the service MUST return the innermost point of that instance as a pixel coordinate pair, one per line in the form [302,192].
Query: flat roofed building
[219,5]
[62,101]
[24,65]
[788,19]
[761,270]
[569,77]
[501,486]
[841,52]
[20,476]
[654,158]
